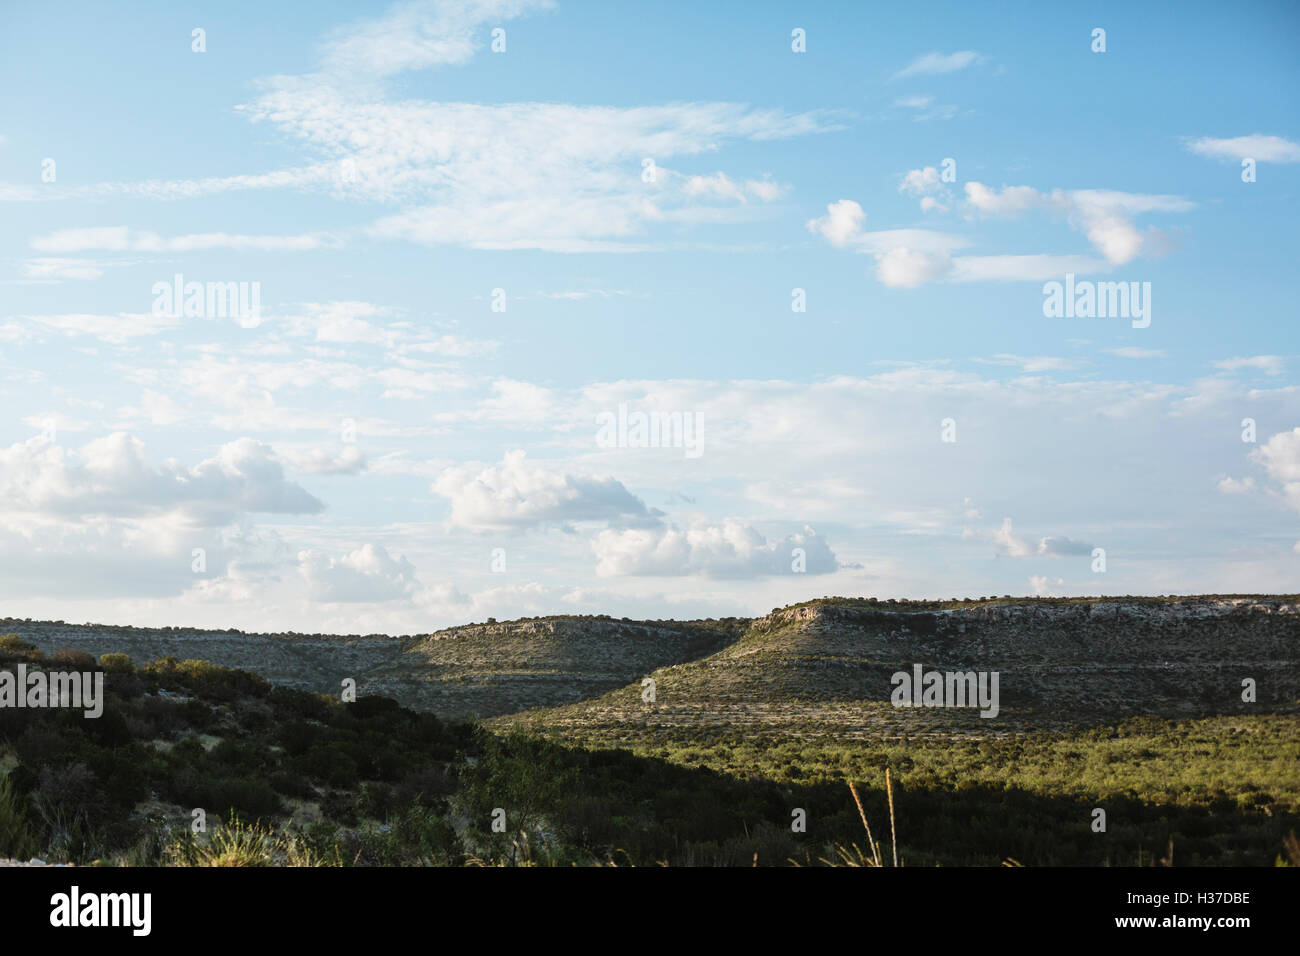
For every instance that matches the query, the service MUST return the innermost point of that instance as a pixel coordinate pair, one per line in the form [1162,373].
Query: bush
[67,660]
[241,844]
[17,839]
[13,644]
[116,664]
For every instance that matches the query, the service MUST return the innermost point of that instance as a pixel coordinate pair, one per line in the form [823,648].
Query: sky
[354,318]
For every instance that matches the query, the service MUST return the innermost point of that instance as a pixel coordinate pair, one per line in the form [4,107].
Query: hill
[474,669]
[822,664]
[826,667]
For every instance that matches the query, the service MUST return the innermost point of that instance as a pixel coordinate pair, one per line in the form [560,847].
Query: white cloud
[1270,364]
[919,182]
[575,294]
[1261,148]
[842,223]
[348,460]
[519,494]
[110,476]
[721,186]
[343,322]
[1280,456]
[368,574]
[122,239]
[1043,587]
[1236,486]
[1040,363]
[924,108]
[1104,216]
[1011,201]
[906,258]
[454,346]
[1027,268]
[908,268]
[570,181]
[1009,544]
[113,329]
[418,35]
[58,268]
[730,549]
[1134,352]
[931,64]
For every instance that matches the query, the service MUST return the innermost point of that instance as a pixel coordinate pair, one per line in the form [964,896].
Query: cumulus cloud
[1008,543]
[1280,456]
[519,494]
[1235,486]
[842,223]
[369,573]
[905,258]
[730,549]
[110,476]
[928,184]
[1043,587]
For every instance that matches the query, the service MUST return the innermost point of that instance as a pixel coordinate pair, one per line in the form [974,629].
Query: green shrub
[116,664]
[14,644]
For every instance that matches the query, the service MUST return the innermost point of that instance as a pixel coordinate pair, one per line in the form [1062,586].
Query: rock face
[823,664]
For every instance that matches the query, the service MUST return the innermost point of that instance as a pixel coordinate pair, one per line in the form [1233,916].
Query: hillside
[825,667]
[474,669]
[818,666]
[1129,704]
[282,777]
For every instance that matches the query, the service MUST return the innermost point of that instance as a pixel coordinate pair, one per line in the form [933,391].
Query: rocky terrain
[823,666]
[826,667]
[472,670]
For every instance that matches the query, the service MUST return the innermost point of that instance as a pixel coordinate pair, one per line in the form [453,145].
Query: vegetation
[286,777]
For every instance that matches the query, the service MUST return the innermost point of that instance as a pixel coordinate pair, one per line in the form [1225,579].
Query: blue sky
[353,456]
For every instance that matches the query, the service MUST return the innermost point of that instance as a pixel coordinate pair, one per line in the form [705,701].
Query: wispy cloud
[1261,148]
[932,64]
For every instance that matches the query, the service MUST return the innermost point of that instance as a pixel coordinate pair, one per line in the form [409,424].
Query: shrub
[116,664]
[17,840]
[13,644]
[241,844]
[68,660]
